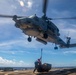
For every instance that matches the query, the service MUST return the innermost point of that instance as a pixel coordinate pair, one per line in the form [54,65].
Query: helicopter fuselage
[36,27]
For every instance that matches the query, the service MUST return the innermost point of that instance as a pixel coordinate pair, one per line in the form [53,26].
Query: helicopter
[41,28]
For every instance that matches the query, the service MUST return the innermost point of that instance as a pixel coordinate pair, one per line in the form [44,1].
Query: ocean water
[30,68]
[17,68]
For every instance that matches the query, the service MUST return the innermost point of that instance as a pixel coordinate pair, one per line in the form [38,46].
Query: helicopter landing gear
[29,39]
[55,47]
[45,35]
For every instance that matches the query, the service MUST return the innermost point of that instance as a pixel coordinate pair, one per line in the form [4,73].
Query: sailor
[37,64]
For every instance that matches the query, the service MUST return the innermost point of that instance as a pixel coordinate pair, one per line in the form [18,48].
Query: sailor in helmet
[37,64]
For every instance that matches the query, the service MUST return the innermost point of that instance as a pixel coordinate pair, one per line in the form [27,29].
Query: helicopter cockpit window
[34,17]
[26,20]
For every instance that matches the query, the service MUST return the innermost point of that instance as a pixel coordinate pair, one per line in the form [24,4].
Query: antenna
[41,55]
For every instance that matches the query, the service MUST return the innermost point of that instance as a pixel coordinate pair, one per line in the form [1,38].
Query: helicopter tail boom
[68,46]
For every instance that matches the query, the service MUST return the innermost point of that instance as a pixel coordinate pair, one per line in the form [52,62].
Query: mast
[41,55]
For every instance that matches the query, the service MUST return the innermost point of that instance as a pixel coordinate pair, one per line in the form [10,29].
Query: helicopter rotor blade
[10,16]
[45,3]
[61,18]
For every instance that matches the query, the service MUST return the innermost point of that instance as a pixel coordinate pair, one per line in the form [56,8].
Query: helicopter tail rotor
[68,38]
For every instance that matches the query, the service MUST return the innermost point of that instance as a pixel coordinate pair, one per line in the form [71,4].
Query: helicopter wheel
[45,35]
[55,47]
[29,39]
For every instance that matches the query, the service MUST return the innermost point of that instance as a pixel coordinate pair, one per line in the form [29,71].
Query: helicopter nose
[18,23]
[26,21]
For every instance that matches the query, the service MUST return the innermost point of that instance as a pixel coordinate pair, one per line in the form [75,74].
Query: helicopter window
[28,22]
[36,19]
[52,29]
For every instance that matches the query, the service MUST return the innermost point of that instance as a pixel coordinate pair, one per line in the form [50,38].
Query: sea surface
[17,68]
[29,68]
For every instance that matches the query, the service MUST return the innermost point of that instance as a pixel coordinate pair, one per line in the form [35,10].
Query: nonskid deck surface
[56,71]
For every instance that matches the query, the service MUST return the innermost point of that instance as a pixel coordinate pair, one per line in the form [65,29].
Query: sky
[16,51]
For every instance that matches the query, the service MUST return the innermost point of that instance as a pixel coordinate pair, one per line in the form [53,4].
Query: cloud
[59,14]
[29,4]
[63,64]
[8,6]
[8,43]
[69,32]
[21,3]
[70,52]
[26,5]
[17,43]
[16,7]
[4,21]
[50,52]
[12,63]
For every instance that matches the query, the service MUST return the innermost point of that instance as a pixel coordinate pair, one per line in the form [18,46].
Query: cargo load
[44,67]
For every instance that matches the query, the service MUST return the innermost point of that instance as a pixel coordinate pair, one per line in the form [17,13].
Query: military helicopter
[41,28]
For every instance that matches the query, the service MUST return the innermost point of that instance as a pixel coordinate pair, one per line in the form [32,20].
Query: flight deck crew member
[37,64]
